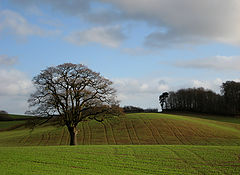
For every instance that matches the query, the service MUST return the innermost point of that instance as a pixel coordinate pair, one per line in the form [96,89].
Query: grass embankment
[134,144]
[114,159]
[134,129]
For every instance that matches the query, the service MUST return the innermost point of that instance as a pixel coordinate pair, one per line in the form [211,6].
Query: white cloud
[145,92]
[15,89]
[213,85]
[142,93]
[108,36]
[176,23]
[14,82]
[185,21]
[219,63]
[14,104]
[14,23]
[5,60]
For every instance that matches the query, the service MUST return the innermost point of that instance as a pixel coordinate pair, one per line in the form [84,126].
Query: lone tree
[163,100]
[73,93]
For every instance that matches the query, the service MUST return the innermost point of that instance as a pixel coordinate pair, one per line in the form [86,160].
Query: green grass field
[134,144]
[114,159]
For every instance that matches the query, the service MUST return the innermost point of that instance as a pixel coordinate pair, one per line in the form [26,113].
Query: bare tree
[73,93]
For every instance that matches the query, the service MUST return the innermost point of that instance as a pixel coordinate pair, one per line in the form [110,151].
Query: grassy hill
[133,129]
[134,144]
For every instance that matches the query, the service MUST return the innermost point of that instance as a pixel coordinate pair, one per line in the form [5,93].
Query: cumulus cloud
[145,92]
[142,93]
[108,36]
[218,63]
[213,85]
[14,104]
[5,60]
[176,23]
[14,82]
[185,21]
[14,23]
[14,91]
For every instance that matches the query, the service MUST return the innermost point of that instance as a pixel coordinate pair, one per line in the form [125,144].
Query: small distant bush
[4,116]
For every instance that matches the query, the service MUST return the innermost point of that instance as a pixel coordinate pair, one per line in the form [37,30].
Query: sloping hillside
[134,129]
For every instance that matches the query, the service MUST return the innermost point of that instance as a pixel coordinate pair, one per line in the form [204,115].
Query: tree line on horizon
[134,109]
[202,100]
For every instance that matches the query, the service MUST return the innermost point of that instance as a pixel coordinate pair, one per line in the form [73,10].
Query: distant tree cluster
[133,109]
[204,101]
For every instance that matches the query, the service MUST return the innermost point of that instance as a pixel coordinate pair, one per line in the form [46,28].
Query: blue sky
[145,47]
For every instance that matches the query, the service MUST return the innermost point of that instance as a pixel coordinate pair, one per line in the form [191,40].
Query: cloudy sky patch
[108,36]
[145,46]
[219,63]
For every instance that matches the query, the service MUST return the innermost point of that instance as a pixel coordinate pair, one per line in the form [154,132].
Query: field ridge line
[105,132]
[203,160]
[130,138]
[40,140]
[83,133]
[62,135]
[169,127]
[135,133]
[156,141]
[180,133]
[111,127]
[48,138]
[27,138]
[184,161]
[160,135]
[89,133]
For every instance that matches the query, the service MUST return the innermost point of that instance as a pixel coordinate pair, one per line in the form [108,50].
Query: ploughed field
[133,144]
[132,129]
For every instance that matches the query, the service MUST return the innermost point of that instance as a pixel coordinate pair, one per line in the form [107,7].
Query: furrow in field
[61,136]
[183,137]
[89,133]
[105,133]
[133,137]
[48,138]
[129,136]
[203,161]
[22,139]
[198,133]
[26,140]
[160,135]
[40,141]
[83,134]
[113,136]
[67,139]
[150,129]
[135,133]
[171,130]
[185,161]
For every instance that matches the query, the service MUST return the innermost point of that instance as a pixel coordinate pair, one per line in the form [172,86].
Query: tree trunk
[73,135]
